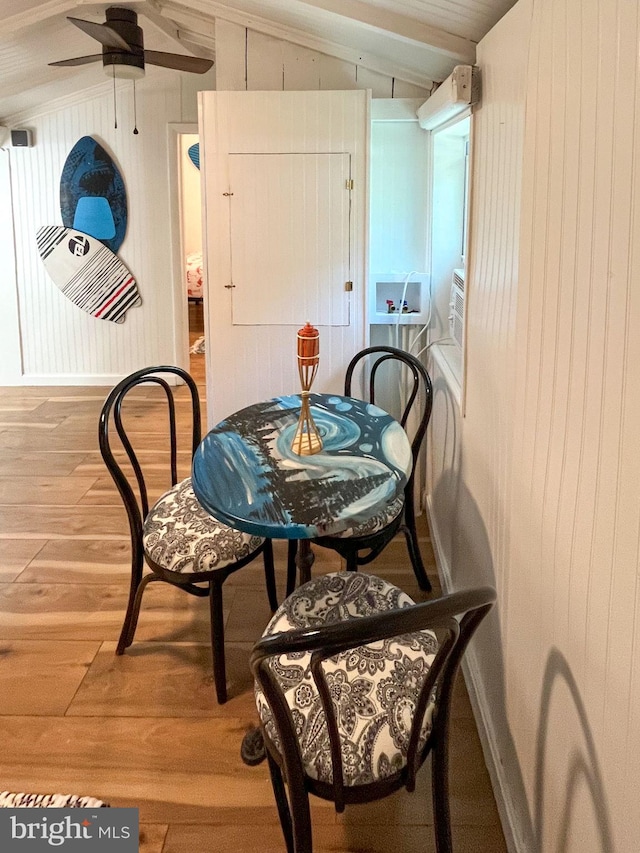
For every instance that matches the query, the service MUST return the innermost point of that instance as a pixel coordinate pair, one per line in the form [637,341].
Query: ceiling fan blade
[102,33]
[178,61]
[79,60]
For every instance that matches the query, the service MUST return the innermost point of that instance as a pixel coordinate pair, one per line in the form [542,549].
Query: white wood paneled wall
[10,352]
[574,592]
[58,342]
[470,475]
[246,59]
[61,343]
[547,493]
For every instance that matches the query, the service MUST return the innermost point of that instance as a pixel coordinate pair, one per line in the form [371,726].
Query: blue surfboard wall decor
[194,154]
[93,198]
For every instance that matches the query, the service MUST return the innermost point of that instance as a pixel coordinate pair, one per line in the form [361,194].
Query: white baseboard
[480,707]
[103,380]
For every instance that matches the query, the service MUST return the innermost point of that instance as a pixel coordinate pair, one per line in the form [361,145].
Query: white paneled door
[289,229]
[284,177]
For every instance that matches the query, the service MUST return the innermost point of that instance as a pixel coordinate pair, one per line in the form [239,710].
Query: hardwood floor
[144,729]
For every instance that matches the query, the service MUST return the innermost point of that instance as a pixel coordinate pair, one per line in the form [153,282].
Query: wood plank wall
[10,352]
[470,468]
[574,593]
[546,499]
[61,343]
[246,59]
[49,340]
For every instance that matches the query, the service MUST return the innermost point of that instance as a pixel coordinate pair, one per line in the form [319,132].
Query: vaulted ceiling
[414,40]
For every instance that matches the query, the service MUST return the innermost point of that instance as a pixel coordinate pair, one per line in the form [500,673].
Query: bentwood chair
[354,684]
[361,544]
[177,539]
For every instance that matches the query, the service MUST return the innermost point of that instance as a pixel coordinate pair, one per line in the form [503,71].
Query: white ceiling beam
[151,10]
[211,9]
[399,26]
[51,9]
[29,17]
[194,26]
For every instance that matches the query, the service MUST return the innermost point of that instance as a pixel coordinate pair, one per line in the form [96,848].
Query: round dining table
[246,474]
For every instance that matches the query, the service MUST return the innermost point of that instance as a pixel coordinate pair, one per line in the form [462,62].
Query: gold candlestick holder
[306,440]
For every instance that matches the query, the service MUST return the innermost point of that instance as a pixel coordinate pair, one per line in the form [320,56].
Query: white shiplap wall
[547,491]
[10,351]
[574,592]
[470,471]
[246,59]
[61,343]
[45,338]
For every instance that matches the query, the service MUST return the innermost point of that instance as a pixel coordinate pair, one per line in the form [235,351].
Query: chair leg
[133,611]
[292,552]
[217,640]
[440,793]
[136,577]
[302,833]
[282,803]
[411,535]
[270,575]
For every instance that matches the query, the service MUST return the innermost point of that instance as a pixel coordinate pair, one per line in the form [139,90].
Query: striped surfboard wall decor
[88,273]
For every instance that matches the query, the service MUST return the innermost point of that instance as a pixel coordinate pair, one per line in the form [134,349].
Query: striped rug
[53,801]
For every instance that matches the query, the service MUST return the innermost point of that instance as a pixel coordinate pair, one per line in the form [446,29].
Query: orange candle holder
[306,440]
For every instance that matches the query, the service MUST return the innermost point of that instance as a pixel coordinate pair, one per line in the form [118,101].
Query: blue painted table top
[245,473]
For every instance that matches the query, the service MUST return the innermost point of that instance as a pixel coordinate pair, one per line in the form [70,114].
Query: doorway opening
[192,265]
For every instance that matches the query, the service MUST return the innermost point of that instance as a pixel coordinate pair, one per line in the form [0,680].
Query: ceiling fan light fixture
[123,72]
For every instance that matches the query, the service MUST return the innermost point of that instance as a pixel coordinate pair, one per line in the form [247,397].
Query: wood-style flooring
[144,729]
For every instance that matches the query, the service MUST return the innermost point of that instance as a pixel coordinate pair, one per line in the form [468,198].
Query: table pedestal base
[304,560]
[252,750]
[300,558]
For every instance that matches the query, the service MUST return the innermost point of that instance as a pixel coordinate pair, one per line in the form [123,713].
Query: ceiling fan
[123,54]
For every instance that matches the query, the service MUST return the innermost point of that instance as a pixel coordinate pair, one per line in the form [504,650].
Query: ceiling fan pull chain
[135,111]
[115,112]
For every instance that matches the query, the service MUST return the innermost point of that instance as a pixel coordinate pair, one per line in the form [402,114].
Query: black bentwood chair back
[363,543]
[178,540]
[354,684]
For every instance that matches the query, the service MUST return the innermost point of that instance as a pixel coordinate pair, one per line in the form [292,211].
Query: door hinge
[348,286]
[349,184]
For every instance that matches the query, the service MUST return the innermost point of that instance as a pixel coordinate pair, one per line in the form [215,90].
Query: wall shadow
[471,564]
[467,560]
[581,767]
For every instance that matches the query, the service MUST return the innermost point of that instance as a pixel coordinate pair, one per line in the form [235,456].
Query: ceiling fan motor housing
[123,63]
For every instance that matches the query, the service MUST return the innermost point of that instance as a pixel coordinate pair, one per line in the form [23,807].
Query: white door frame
[180,302]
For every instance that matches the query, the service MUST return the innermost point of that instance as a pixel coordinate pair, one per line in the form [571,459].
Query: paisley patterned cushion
[379,521]
[374,688]
[179,535]
[9,800]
